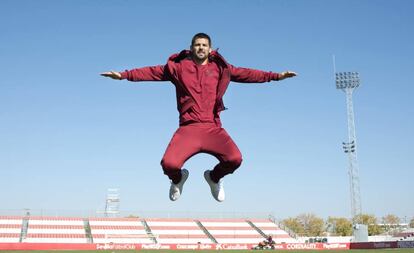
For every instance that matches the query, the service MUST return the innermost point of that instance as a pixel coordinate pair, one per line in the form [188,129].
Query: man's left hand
[286,74]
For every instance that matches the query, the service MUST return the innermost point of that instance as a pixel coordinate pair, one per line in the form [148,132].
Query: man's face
[200,49]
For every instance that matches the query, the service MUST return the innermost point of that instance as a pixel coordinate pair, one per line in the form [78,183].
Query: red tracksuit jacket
[178,71]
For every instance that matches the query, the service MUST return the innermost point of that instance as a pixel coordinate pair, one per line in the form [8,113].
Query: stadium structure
[92,233]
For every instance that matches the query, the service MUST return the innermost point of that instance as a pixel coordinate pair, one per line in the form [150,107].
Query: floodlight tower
[112,203]
[348,82]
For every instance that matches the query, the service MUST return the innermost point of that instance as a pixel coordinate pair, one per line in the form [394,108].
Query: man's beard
[201,57]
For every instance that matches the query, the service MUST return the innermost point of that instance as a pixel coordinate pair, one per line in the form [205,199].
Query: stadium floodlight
[348,82]
[112,203]
[348,147]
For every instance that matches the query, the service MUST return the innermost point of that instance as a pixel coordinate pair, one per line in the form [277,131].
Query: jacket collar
[214,56]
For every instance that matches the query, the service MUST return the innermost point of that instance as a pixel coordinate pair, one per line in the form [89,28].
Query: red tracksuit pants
[197,138]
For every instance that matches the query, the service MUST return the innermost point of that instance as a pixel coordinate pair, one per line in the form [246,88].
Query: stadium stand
[78,230]
[232,231]
[270,228]
[180,231]
[407,235]
[55,230]
[118,230]
[10,228]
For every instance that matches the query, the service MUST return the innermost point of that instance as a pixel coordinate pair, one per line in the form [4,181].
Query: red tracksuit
[199,91]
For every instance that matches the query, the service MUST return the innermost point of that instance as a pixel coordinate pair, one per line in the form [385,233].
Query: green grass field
[211,251]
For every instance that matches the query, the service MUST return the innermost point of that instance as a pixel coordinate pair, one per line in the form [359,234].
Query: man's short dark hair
[201,36]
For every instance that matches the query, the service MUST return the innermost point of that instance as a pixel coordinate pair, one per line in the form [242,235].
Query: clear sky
[67,134]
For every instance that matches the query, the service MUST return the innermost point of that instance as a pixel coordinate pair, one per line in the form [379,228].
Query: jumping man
[201,77]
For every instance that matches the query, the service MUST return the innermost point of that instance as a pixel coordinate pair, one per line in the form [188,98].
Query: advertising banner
[196,246]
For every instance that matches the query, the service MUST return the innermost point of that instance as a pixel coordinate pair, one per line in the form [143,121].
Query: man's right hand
[112,74]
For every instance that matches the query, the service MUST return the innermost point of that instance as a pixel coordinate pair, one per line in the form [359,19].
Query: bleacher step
[25,227]
[200,225]
[257,229]
[149,231]
[88,232]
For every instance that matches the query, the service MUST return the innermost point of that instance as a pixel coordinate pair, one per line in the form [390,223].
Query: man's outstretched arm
[152,73]
[246,75]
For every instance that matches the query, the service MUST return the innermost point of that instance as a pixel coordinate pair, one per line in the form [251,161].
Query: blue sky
[67,134]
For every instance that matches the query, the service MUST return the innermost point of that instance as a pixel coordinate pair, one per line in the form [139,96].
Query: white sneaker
[217,189]
[177,189]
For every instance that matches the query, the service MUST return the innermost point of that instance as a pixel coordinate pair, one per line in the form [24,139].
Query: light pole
[348,82]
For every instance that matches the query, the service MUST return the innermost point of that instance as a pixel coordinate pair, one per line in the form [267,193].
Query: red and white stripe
[118,230]
[180,231]
[231,231]
[10,228]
